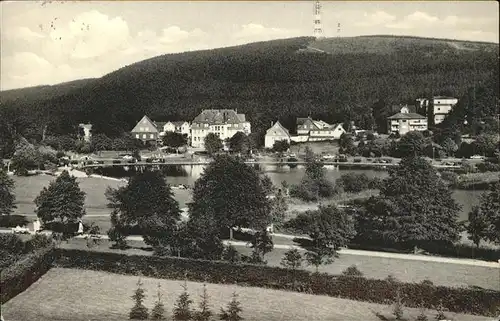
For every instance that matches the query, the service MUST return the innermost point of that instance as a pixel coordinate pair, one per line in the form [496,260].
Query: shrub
[488,167]
[352,271]
[13,220]
[20,275]
[37,242]
[460,300]
[11,243]
[357,160]
[74,162]
[115,161]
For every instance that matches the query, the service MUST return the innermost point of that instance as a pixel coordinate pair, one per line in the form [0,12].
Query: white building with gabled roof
[276,133]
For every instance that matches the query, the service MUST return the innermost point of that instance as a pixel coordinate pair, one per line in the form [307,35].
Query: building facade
[438,108]
[406,121]
[309,129]
[181,127]
[146,130]
[276,133]
[87,131]
[222,122]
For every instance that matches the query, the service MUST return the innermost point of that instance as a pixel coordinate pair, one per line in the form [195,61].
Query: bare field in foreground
[78,295]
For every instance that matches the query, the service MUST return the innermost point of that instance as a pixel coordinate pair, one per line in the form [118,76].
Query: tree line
[266,81]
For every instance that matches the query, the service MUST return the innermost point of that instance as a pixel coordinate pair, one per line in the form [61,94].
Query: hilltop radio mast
[318,29]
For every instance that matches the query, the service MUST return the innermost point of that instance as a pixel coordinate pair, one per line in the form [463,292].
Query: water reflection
[188,174]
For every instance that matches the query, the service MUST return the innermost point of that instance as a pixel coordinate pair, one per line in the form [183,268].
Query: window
[136,135]
[151,136]
[144,136]
[146,129]
[404,120]
[141,129]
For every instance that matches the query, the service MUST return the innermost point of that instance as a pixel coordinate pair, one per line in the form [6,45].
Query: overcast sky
[53,42]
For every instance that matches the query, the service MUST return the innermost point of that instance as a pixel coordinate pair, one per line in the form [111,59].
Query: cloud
[375,19]
[252,31]
[90,44]
[417,19]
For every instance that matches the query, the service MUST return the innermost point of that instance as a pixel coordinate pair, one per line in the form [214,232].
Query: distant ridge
[268,81]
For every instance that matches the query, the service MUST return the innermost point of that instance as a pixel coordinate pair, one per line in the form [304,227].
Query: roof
[406,116]
[219,116]
[397,108]
[308,120]
[159,124]
[443,97]
[277,125]
[179,122]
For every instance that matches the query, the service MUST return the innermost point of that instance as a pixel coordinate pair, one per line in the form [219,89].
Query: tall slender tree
[7,196]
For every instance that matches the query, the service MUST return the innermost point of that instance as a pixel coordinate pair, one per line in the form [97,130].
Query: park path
[412,257]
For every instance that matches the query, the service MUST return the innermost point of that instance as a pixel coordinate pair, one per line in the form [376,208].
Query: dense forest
[341,80]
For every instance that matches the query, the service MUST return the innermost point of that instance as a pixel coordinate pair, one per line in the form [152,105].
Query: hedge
[13,220]
[21,274]
[460,300]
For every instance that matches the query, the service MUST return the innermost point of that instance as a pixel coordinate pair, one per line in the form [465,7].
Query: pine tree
[7,196]
[139,311]
[204,314]
[182,309]
[233,310]
[158,311]
[421,316]
[398,307]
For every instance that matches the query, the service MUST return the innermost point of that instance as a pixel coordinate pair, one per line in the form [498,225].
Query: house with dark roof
[222,122]
[309,129]
[276,133]
[405,121]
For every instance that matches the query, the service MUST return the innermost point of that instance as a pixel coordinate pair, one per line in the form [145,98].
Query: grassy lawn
[78,295]
[28,188]
[448,274]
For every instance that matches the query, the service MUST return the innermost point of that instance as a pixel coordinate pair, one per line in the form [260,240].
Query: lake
[188,174]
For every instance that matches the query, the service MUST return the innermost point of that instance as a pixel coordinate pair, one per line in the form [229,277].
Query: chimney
[271,123]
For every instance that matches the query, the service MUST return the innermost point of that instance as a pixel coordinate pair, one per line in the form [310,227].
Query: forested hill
[337,79]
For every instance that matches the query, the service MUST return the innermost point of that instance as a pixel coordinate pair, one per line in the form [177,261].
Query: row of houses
[417,117]
[308,130]
[226,122]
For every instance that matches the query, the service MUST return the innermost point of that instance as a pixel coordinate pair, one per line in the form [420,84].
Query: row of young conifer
[183,310]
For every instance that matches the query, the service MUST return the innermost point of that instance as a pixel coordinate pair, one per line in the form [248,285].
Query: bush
[13,220]
[11,243]
[357,160]
[117,161]
[352,271]
[460,300]
[21,274]
[37,242]
[353,183]
[74,162]
[488,167]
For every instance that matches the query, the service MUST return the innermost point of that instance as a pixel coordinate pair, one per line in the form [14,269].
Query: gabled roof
[307,121]
[397,108]
[145,117]
[277,126]
[406,116]
[159,124]
[219,116]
